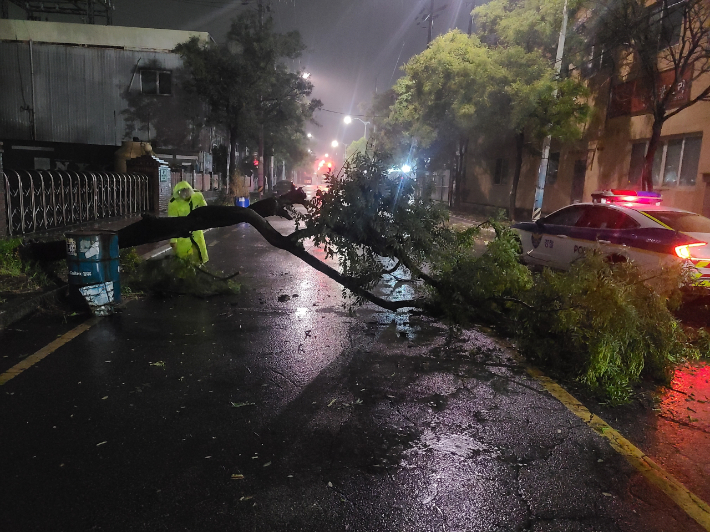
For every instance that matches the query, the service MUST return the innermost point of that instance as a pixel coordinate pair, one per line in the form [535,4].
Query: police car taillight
[627,197]
[684,251]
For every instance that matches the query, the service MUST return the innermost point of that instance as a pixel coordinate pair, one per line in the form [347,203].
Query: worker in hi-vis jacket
[183,202]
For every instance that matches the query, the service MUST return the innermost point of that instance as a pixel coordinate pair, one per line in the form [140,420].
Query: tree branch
[153,229]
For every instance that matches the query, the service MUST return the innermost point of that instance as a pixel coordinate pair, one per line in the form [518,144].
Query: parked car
[624,225]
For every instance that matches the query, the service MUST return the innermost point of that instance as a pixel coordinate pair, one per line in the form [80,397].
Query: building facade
[67,89]
[613,147]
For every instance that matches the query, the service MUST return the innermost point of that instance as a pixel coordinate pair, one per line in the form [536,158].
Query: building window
[500,176]
[675,162]
[666,20]
[598,59]
[156,82]
[553,165]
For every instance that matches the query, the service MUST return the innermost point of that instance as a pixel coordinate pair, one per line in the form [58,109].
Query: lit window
[156,82]
[675,162]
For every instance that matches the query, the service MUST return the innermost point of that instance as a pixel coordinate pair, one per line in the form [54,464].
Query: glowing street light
[309,135]
[306,75]
[348,120]
[334,144]
[406,168]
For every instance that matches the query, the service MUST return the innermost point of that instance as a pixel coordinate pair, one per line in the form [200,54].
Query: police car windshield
[686,222]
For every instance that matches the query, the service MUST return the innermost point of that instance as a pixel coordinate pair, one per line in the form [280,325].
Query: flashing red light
[627,197]
[684,251]
[256,162]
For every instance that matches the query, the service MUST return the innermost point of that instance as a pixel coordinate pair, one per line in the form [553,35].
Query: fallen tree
[379,225]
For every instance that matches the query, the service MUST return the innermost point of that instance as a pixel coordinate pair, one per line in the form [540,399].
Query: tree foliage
[534,25]
[246,85]
[460,90]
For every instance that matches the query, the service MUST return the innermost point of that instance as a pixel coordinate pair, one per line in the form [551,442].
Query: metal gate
[37,200]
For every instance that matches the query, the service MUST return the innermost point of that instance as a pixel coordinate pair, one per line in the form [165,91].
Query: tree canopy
[246,85]
[460,90]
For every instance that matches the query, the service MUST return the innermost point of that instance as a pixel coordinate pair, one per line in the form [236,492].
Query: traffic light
[249,164]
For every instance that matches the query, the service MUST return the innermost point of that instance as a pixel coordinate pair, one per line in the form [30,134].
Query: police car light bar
[639,197]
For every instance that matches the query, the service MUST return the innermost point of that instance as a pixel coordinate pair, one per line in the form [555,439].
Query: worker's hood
[185,187]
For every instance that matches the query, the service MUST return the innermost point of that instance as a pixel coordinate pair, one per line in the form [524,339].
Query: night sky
[354,47]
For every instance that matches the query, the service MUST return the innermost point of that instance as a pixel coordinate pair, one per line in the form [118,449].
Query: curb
[23,308]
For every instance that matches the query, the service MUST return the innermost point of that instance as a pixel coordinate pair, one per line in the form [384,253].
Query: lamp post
[348,119]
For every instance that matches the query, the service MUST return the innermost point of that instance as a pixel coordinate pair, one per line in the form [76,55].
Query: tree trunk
[519,142]
[647,172]
[231,170]
[453,183]
[463,149]
[154,229]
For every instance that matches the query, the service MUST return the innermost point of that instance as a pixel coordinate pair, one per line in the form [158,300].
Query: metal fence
[198,181]
[37,200]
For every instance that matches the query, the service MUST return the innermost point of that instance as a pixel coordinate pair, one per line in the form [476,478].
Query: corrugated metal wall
[78,91]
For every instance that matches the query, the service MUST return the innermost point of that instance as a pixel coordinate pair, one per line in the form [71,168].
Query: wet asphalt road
[248,413]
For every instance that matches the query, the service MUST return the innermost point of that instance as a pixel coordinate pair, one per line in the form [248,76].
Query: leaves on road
[239,405]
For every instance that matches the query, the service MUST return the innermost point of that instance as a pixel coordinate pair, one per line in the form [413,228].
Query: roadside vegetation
[606,325]
[18,277]
[172,276]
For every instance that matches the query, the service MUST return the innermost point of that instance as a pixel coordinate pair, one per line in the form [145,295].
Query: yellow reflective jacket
[193,248]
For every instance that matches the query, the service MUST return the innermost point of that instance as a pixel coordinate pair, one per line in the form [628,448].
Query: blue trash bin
[93,268]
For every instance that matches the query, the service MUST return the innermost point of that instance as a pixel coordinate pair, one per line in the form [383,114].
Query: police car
[624,225]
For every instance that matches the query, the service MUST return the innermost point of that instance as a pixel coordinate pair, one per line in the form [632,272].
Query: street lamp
[334,144]
[306,75]
[309,135]
[348,119]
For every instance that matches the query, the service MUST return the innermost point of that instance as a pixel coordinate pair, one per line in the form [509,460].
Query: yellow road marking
[31,360]
[693,505]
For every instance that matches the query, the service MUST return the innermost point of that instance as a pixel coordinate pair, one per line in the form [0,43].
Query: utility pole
[542,171]
[431,22]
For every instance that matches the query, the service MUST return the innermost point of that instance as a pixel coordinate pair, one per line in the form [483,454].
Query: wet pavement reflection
[279,409]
